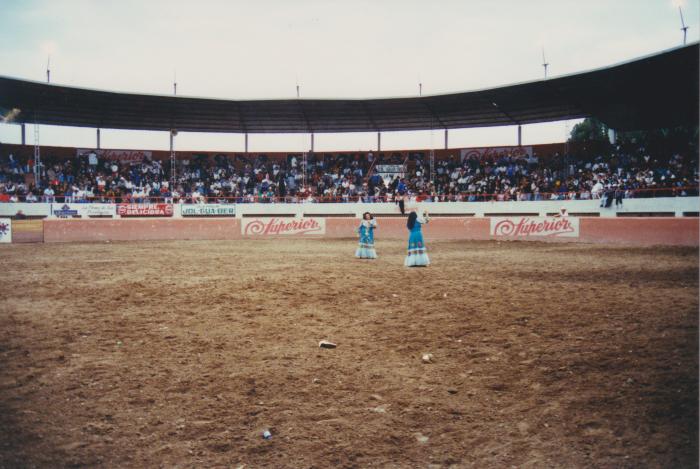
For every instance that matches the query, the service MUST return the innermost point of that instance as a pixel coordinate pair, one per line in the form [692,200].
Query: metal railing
[683,191]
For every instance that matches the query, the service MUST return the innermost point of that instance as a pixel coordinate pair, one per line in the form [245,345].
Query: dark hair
[412,217]
[367,213]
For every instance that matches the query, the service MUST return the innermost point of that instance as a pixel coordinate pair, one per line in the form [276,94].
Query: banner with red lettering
[529,227]
[495,152]
[282,226]
[145,210]
[123,156]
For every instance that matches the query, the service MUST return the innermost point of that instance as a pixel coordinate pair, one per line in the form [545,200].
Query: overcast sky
[359,48]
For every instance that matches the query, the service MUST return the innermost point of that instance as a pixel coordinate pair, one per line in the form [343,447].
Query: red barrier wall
[635,231]
[641,231]
[142,229]
[27,231]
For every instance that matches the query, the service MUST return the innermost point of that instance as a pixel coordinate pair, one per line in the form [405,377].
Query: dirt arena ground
[180,354]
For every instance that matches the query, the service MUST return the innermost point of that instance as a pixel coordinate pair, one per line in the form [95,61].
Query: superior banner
[495,152]
[208,210]
[123,156]
[5,230]
[145,210]
[283,226]
[529,227]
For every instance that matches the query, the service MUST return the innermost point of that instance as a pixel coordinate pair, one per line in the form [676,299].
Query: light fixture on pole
[545,64]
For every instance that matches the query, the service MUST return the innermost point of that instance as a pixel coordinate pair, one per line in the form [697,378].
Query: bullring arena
[529,305]
[148,353]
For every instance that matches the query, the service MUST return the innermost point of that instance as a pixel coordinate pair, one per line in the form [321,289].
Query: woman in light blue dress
[366,230]
[417,253]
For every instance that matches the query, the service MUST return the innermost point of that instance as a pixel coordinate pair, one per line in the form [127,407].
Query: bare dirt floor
[180,354]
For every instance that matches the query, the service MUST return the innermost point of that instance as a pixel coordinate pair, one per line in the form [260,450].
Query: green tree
[589,139]
[590,130]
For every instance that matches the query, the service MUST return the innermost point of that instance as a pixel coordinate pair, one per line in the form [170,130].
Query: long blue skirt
[366,248]
[417,252]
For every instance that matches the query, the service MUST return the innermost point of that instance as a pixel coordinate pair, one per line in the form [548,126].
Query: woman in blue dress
[417,255]
[366,230]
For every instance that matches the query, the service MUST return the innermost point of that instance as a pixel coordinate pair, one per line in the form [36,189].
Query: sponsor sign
[97,210]
[208,210]
[64,211]
[528,227]
[145,210]
[282,226]
[495,152]
[123,156]
[5,230]
[82,210]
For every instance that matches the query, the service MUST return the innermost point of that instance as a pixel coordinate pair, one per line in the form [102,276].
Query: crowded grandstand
[628,170]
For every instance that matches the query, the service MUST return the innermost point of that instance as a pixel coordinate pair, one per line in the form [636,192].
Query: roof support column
[24,134]
[379,141]
[172,159]
[520,135]
[98,138]
[312,141]
[246,143]
[446,138]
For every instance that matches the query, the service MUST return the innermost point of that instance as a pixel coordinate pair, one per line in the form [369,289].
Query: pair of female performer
[417,255]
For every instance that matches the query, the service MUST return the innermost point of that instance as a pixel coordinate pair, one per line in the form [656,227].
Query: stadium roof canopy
[659,90]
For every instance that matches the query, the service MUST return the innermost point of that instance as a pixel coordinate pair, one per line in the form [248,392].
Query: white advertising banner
[83,210]
[5,230]
[123,156]
[99,210]
[208,210]
[390,168]
[274,226]
[531,227]
[495,152]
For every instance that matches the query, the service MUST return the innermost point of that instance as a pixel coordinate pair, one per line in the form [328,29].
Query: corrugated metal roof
[659,90]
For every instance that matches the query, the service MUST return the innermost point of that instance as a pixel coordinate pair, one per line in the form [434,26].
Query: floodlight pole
[684,27]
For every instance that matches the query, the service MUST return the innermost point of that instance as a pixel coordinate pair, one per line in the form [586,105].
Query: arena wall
[140,229]
[27,231]
[629,230]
